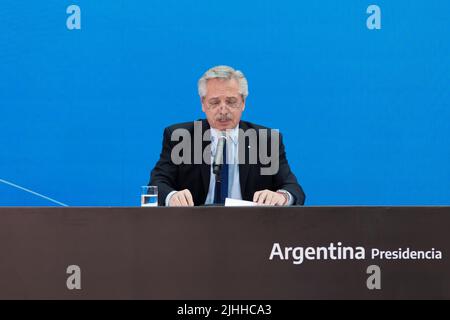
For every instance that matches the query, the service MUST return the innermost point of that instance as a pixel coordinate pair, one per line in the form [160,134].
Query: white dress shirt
[234,186]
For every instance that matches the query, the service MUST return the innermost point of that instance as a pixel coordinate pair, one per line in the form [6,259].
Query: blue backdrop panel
[365,113]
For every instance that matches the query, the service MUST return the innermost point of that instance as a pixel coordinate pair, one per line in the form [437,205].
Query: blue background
[364,113]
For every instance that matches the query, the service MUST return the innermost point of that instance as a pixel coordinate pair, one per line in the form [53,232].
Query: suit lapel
[205,168]
[244,168]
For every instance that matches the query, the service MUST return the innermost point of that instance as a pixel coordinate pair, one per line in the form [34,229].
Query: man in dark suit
[185,173]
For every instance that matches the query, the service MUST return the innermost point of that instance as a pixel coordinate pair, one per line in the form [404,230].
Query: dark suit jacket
[195,177]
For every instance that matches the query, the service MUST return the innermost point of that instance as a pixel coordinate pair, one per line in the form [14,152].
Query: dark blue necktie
[221,189]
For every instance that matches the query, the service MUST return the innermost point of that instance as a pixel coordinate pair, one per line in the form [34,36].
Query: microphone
[218,159]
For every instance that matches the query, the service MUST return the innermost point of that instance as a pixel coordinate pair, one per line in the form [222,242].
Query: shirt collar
[233,134]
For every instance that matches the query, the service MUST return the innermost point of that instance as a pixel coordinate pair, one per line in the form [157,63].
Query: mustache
[223,117]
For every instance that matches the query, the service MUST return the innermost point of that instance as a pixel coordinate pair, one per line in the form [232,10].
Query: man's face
[223,104]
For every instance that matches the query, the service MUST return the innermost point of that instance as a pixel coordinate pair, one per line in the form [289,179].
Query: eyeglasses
[232,103]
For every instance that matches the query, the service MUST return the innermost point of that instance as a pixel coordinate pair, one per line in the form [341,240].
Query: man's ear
[243,104]
[202,99]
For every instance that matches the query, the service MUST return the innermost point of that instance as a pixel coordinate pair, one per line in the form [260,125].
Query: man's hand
[181,198]
[270,198]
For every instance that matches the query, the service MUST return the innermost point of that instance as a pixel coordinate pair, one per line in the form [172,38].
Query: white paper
[238,203]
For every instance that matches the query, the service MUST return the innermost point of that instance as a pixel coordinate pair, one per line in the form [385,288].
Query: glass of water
[149,196]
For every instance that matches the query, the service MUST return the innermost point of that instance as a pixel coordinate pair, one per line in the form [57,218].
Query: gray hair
[223,72]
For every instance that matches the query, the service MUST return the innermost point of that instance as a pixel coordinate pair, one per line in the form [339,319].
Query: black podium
[225,253]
